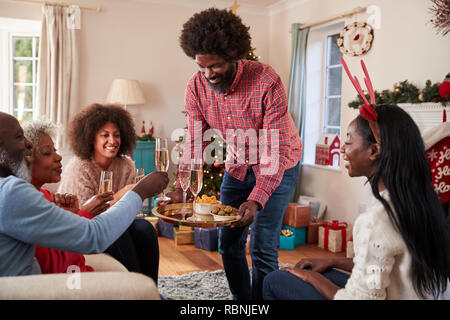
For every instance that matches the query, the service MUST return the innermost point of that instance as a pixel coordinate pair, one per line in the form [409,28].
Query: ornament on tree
[143,127]
[444,88]
[150,130]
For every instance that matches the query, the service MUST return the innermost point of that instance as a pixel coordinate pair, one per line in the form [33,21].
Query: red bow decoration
[335,225]
[368,113]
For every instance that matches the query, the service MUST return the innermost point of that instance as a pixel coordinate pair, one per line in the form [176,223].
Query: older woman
[138,243]
[46,168]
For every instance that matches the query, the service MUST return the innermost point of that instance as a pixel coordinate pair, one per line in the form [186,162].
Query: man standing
[241,97]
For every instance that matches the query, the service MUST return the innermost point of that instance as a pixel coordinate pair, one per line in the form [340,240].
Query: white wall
[405,47]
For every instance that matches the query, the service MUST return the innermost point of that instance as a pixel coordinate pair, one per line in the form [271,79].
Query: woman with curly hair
[230,93]
[100,136]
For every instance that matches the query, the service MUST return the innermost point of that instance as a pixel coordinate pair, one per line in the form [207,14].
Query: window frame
[325,96]
[10,28]
[316,86]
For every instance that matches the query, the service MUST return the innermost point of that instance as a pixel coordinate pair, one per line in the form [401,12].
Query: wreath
[355,39]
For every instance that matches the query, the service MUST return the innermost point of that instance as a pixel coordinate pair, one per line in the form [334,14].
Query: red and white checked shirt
[256,100]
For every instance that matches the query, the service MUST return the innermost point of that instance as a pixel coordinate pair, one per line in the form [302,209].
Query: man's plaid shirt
[256,100]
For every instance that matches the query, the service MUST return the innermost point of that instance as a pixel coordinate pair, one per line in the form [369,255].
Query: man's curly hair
[85,125]
[215,31]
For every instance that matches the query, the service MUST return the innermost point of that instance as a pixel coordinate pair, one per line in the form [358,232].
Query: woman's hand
[324,286]
[305,275]
[66,201]
[98,203]
[317,265]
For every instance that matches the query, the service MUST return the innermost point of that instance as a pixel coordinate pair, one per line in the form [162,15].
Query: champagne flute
[105,181]
[140,174]
[162,160]
[184,174]
[196,180]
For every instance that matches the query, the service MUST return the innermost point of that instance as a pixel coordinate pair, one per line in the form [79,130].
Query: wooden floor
[176,260]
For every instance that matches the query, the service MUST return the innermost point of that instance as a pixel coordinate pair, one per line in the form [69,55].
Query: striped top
[252,118]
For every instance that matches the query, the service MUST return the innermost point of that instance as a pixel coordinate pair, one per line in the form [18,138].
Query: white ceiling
[262,3]
[263,7]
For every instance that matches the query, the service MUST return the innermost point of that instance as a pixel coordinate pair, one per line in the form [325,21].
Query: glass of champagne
[184,174]
[196,180]
[140,173]
[105,181]
[162,160]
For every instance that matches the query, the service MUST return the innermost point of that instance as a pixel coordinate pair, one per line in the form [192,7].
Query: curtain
[297,88]
[58,69]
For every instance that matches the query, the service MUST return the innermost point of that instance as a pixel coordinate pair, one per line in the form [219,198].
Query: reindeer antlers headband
[367,110]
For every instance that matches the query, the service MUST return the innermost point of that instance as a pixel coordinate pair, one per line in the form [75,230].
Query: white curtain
[58,69]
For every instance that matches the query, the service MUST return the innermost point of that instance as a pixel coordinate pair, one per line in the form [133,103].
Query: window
[332,99]
[24,86]
[323,88]
[19,58]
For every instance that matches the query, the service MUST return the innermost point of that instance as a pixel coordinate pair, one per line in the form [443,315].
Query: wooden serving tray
[171,213]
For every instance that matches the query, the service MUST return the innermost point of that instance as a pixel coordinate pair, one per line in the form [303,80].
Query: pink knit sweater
[82,177]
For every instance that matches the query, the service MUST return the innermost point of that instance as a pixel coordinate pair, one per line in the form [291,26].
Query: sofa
[110,281]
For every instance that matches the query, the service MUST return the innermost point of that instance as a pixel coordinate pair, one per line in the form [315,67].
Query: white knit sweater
[382,263]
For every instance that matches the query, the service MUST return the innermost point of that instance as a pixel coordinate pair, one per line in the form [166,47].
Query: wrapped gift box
[299,233]
[334,235]
[185,228]
[350,252]
[183,237]
[297,215]
[165,229]
[312,233]
[206,238]
[287,243]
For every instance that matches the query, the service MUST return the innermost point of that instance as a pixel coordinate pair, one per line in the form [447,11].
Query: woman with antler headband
[402,242]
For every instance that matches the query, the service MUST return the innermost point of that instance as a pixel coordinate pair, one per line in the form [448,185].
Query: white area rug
[197,286]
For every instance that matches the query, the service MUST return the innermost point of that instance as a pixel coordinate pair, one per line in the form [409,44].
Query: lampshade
[126,92]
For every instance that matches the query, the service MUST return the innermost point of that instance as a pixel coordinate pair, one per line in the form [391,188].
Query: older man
[27,219]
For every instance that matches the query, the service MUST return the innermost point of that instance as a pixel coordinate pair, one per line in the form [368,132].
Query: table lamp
[125,92]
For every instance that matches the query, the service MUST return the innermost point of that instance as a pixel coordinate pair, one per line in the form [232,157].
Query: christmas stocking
[437,145]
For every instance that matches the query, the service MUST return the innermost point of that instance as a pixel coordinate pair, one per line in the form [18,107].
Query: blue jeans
[281,285]
[264,238]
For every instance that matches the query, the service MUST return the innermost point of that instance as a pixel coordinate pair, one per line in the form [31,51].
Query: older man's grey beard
[20,169]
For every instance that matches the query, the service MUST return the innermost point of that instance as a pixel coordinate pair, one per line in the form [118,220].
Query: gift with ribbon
[333,235]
